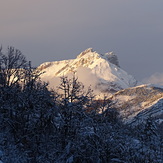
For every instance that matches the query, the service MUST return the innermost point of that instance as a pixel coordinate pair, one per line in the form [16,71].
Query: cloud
[156,78]
[53,82]
[84,75]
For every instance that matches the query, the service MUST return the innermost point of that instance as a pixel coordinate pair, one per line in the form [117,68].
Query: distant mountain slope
[102,71]
[139,103]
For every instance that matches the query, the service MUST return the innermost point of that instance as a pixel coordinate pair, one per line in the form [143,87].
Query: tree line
[66,125]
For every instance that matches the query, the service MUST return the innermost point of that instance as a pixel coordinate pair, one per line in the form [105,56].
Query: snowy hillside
[140,103]
[101,71]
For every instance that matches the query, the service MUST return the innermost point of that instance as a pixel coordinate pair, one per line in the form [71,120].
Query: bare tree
[14,69]
[12,65]
[73,91]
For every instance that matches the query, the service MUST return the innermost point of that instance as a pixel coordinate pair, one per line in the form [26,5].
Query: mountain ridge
[138,104]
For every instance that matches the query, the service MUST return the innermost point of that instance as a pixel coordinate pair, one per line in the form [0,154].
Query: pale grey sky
[48,30]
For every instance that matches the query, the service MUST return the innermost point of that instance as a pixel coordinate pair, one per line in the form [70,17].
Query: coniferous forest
[66,125]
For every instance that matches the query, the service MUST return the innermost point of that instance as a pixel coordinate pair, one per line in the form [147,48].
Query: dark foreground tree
[66,125]
[27,109]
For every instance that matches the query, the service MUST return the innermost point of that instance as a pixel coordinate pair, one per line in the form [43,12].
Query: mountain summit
[101,71]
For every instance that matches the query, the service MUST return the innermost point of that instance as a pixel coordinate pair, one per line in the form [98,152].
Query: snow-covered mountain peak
[90,54]
[101,71]
[87,51]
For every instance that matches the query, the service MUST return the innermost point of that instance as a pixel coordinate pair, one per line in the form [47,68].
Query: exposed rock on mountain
[112,58]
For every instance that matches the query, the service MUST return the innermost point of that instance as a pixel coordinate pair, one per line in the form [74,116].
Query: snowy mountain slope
[139,103]
[101,71]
